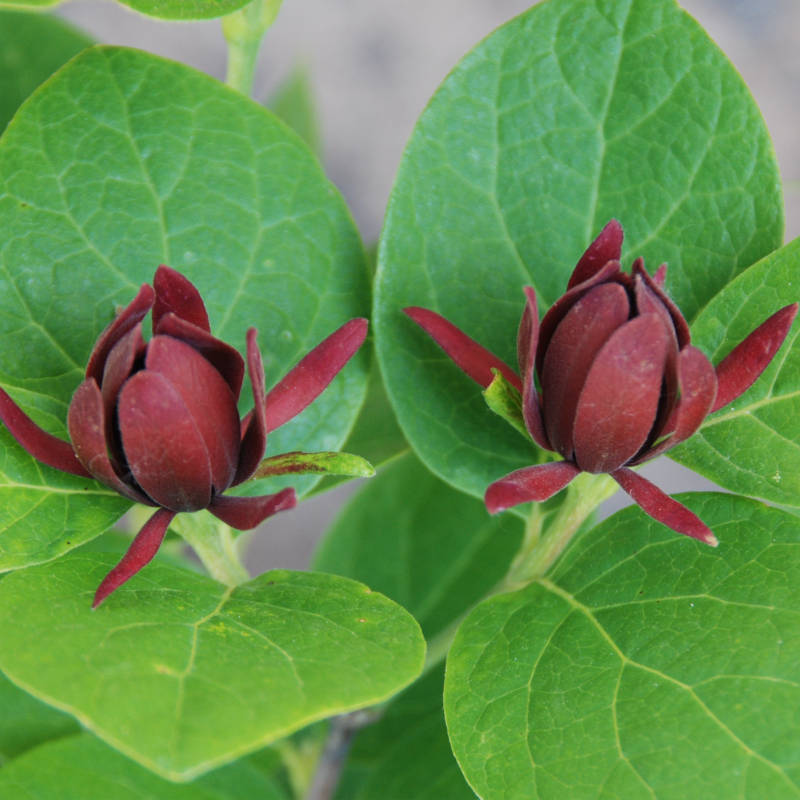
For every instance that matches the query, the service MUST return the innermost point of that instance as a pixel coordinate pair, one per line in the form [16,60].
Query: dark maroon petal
[208,400]
[654,291]
[610,273]
[737,372]
[573,348]
[254,439]
[474,359]
[139,554]
[529,484]
[165,450]
[87,429]
[527,339]
[606,247]
[661,276]
[177,295]
[662,507]
[311,376]
[618,404]
[224,358]
[244,513]
[41,445]
[125,320]
[698,387]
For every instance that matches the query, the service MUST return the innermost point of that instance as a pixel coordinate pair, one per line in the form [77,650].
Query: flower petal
[178,295]
[529,484]
[134,313]
[662,507]
[698,387]
[606,247]
[87,429]
[311,376]
[165,450]
[472,358]
[584,329]
[527,341]
[139,554]
[208,400]
[244,513]
[254,437]
[646,296]
[43,446]
[224,358]
[618,403]
[741,367]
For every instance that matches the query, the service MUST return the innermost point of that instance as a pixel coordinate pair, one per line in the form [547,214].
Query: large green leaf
[32,48]
[164,9]
[26,722]
[647,666]
[123,161]
[293,102]
[430,548]
[570,114]
[182,674]
[83,768]
[753,445]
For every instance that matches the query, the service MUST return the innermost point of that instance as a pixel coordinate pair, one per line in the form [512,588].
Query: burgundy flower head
[158,421]
[619,381]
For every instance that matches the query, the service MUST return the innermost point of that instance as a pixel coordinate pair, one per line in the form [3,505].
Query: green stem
[215,545]
[244,30]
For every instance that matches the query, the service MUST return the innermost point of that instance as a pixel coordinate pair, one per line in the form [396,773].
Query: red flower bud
[158,422]
[619,381]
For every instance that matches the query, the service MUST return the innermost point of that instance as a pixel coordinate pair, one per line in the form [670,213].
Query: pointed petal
[165,451]
[139,554]
[474,359]
[43,446]
[298,463]
[610,273]
[244,513]
[125,320]
[741,367]
[224,358]
[651,292]
[87,429]
[577,340]
[178,295]
[661,276]
[208,400]
[662,507]
[606,247]
[254,438]
[527,341]
[311,376]
[698,387]
[618,404]
[529,484]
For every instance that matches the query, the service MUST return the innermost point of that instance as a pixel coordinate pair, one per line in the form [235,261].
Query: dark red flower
[619,381]
[158,421]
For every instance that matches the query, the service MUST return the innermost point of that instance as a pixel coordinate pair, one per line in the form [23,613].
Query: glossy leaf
[645,666]
[752,446]
[430,548]
[294,103]
[164,9]
[32,48]
[182,674]
[158,164]
[569,115]
[80,767]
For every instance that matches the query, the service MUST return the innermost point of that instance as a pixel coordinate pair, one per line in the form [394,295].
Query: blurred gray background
[373,66]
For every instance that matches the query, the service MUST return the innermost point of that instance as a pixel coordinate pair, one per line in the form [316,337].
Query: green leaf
[444,552]
[571,114]
[163,9]
[505,401]
[83,768]
[182,674]
[294,103]
[752,446]
[123,161]
[32,48]
[647,666]
[406,754]
[26,722]
[322,463]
